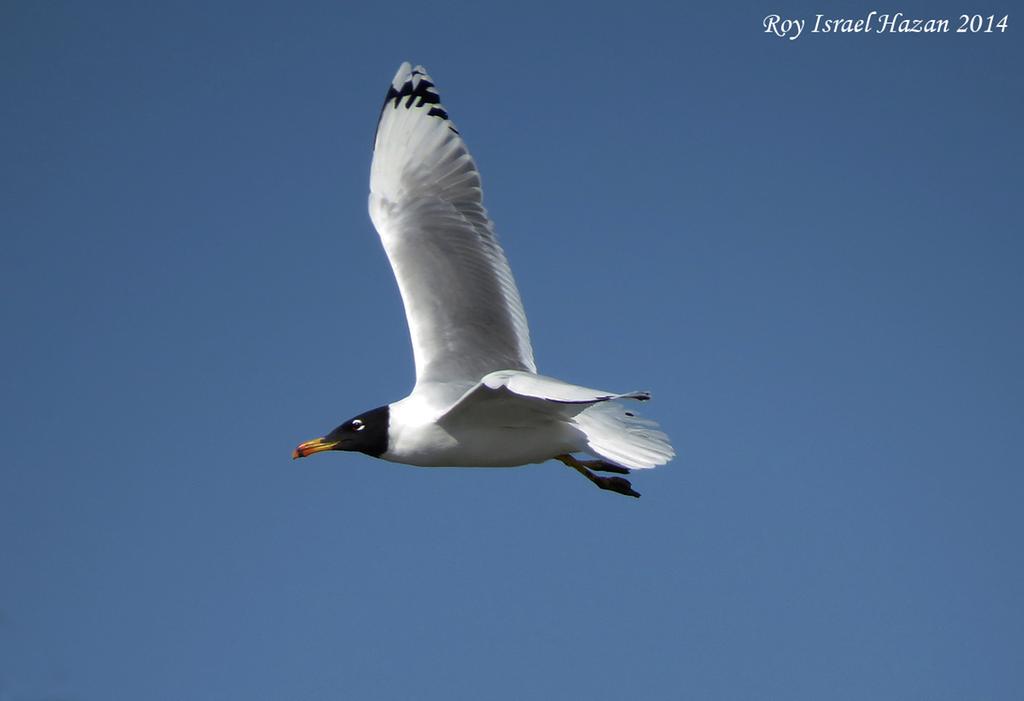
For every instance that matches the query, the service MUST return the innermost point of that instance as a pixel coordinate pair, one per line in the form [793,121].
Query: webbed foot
[613,484]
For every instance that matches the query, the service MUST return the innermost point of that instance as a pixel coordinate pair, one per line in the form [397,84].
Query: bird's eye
[358,425]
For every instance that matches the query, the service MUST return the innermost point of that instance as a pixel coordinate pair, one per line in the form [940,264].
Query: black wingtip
[416,90]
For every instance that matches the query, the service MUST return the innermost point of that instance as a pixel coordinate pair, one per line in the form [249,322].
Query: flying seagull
[478,400]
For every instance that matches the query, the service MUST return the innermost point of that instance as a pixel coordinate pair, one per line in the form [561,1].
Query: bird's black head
[366,433]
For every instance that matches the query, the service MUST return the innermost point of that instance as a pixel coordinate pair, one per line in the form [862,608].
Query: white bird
[478,400]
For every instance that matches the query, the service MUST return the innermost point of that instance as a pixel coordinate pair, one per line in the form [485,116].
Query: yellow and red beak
[317,445]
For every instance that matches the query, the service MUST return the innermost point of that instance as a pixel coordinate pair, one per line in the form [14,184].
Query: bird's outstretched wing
[464,311]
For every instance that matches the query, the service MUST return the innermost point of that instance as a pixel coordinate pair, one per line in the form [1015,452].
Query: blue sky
[809,251]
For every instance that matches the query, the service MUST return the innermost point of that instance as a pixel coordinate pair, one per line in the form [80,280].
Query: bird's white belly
[429,445]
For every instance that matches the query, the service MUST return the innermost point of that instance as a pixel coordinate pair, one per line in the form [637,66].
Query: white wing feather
[462,305]
[530,392]
[551,389]
[520,400]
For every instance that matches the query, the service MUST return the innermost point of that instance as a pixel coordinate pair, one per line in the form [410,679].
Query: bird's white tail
[617,433]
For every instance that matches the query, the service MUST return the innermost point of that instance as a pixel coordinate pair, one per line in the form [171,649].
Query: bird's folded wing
[517,397]
[535,386]
[462,305]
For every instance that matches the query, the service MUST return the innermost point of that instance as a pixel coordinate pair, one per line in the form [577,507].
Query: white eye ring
[358,425]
